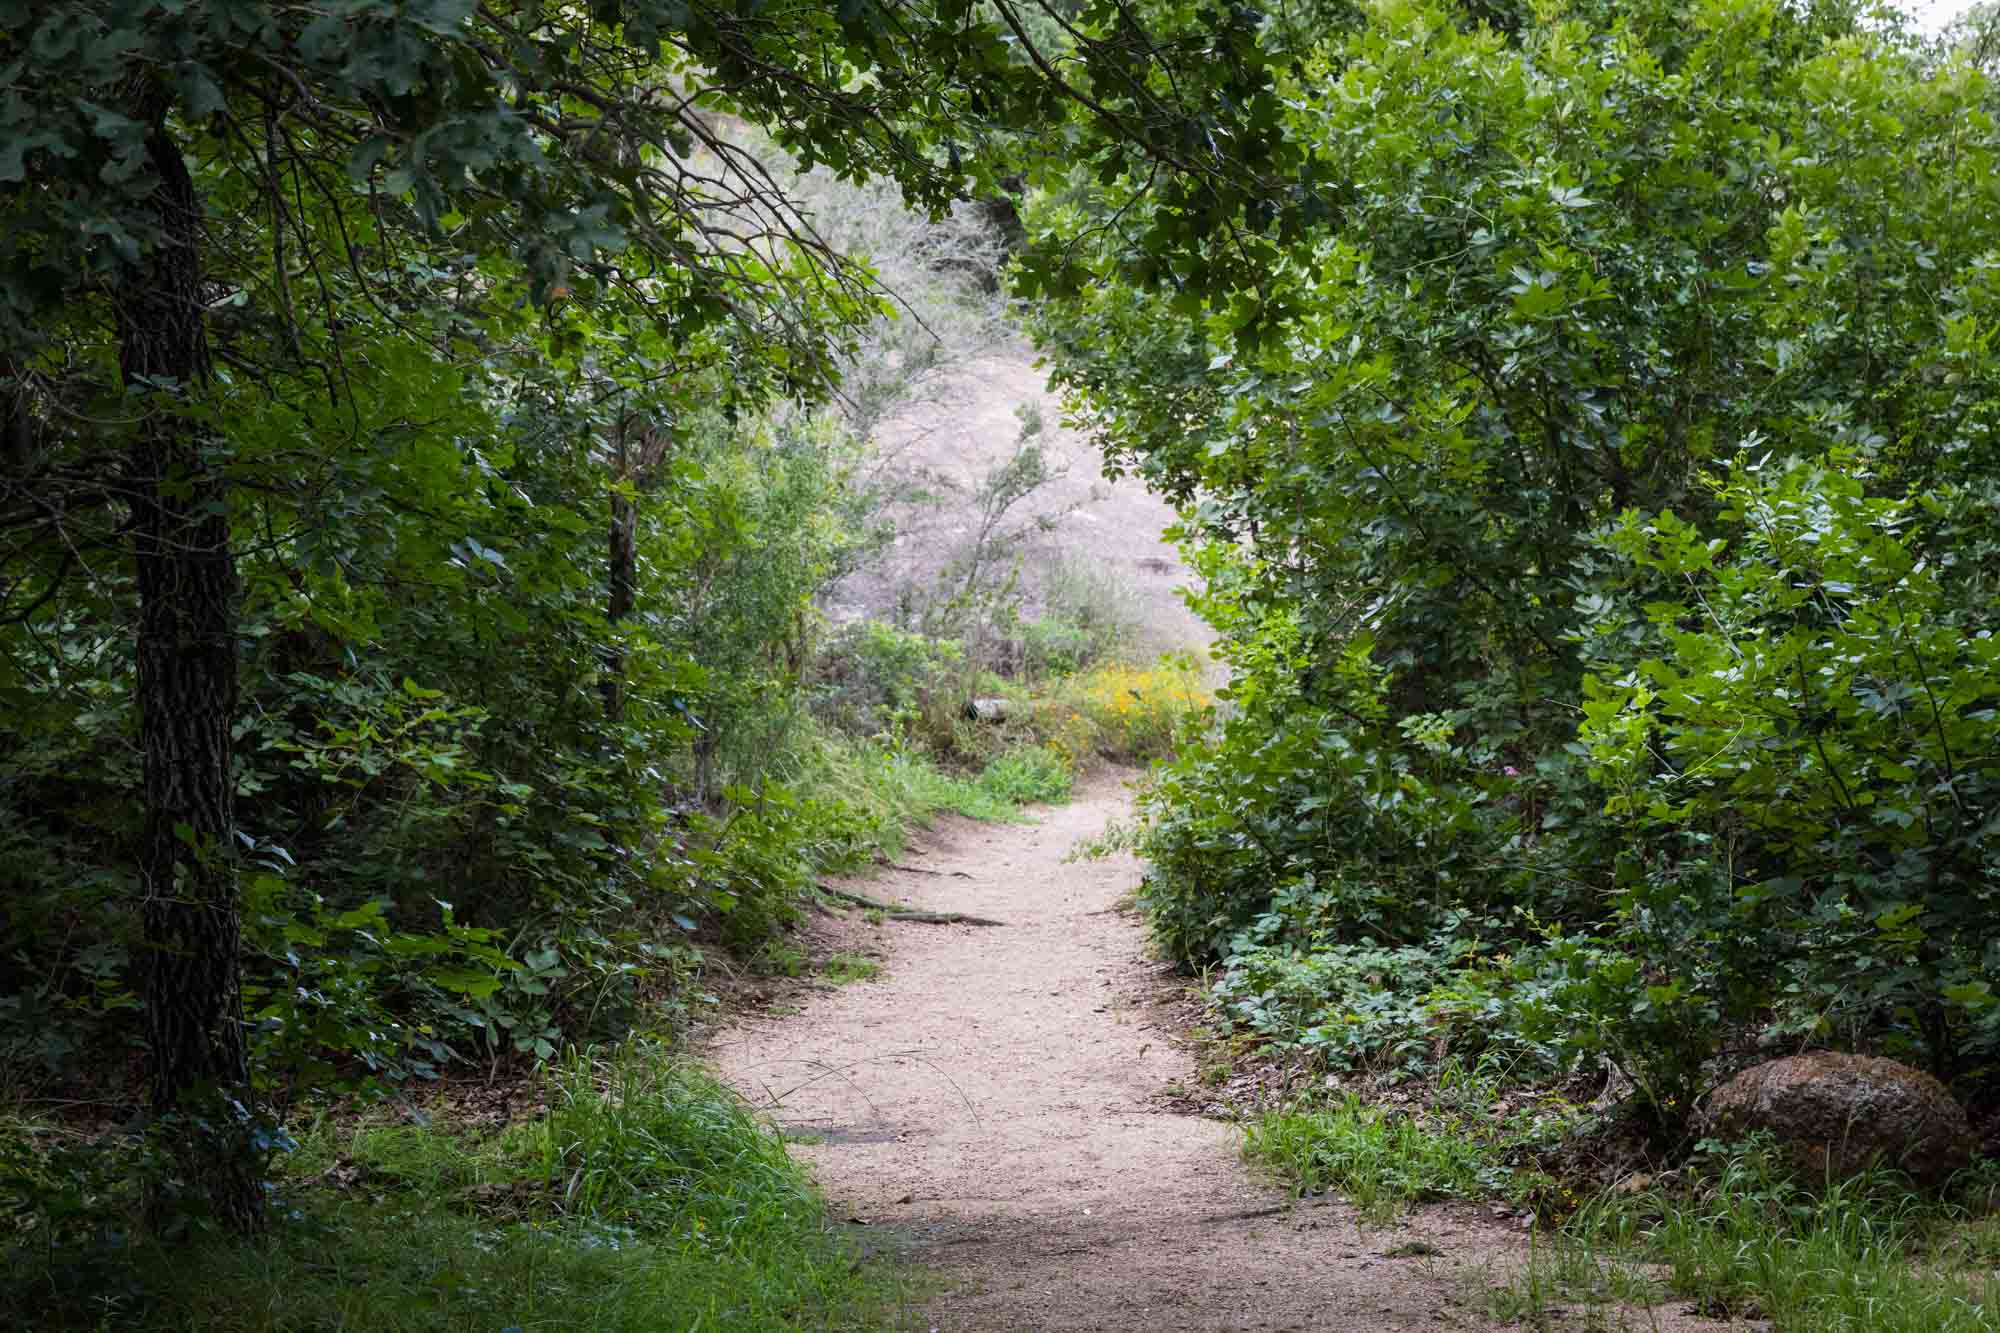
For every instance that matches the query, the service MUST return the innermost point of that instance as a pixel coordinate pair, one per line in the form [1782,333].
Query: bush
[1130,714]
[872,678]
[1794,750]
[1588,574]
[1032,775]
[1088,618]
[1052,647]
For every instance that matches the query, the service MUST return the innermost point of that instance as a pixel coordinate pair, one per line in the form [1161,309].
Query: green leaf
[1896,918]
[1972,995]
[463,981]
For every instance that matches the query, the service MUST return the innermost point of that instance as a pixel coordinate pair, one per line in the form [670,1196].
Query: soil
[1017,1110]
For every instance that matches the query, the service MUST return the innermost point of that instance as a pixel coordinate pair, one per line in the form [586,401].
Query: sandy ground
[1017,1113]
[1014,1110]
[1003,1104]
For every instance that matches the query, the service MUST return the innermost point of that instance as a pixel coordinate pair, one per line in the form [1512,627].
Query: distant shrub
[870,675]
[1033,775]
[1129,714]
[1088,618]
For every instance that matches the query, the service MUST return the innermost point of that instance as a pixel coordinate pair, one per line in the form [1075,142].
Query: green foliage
[1380,1160]
[1795,742]
[1594,499]
[844,967]
[1033,775]
[1567,1003]
[647,1197]
[474,367]
[635,1138]
[56,1191]
[889,788]
[1749,1242]
[1343,1003]
[872,678]
[1089,618]
[453,852]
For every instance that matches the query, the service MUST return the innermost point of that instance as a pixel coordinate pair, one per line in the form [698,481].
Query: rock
[1835,1114]
[989,710]
[1636,1183]
[1414,1249]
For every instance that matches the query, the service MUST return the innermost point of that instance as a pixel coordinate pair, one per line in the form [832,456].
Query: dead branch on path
[896,913]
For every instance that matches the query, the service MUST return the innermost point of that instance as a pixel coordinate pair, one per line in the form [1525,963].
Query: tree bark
[637,454]
[618,602]
[17,424]
[187,684]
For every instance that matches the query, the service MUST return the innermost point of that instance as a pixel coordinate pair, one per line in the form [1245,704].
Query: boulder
[1835,1114]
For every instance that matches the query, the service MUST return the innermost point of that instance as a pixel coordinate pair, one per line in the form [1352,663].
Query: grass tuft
[1380,1161]
[845,967]
[1031,775]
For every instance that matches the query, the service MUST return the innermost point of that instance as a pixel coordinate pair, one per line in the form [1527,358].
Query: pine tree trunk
[187,700]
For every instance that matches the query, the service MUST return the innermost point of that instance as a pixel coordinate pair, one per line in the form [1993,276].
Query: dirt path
[1016,1108]
[1007,1104]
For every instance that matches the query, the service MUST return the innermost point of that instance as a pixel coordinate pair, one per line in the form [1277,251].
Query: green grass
[1564,1276]
[1862,1255]
[1380,1161]
[842,968]
[648,1198]
[1031,775]
[887,790]
[924,789]
[779,958]
[907,788]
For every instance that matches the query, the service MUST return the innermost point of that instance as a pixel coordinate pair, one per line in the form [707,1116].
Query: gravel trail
[1014,1108]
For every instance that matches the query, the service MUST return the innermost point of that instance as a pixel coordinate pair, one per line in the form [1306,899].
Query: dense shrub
[1604,597]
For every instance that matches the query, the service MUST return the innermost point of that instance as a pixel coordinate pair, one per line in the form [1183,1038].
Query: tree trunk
[638,451]
[618,601]
[187,701]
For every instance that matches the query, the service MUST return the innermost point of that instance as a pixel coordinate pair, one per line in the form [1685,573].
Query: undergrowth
[646,1198]
[1747,1241]
[1382,1161]
[1733,1235]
